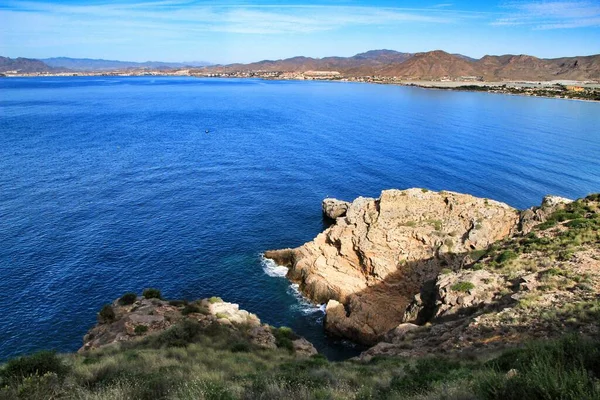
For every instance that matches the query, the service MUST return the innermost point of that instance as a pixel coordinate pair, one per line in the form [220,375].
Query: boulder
[334,208]
[303,348]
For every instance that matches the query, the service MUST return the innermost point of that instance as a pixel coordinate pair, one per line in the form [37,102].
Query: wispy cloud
[242,18]
[551,15]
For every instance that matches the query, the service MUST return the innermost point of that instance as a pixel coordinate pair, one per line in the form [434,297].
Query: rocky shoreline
[390,266]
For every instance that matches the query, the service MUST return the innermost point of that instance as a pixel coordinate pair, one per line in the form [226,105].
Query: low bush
[127,299]
[152,293]
[106,314]
[140,329]
[38,364]
[215,299]
[506,256]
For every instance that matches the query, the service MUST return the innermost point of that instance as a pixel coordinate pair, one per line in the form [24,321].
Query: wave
[273,269]
[303,305]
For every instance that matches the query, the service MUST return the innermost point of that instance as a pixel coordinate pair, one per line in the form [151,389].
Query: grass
[192,362]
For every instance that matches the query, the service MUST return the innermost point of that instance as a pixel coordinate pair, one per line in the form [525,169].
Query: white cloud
[194,17]
[551,15]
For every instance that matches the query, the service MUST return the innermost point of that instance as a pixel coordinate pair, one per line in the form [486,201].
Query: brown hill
[435,65]
[23,65]
[431,65]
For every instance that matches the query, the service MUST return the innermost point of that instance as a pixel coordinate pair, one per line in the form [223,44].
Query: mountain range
[387,63]
[89,64]
[435,65]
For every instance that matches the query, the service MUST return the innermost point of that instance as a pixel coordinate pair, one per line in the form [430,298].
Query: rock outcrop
[541,283]
[334,208]
[368,265]
[143,317]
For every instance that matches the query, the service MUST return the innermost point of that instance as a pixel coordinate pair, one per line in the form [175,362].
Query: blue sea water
[109,185]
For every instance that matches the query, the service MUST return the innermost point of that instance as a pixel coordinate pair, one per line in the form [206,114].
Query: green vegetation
[152,293]
[106,314]
[218,364]
[140,329]
[506,256]
[194,308]
[127,299]
[214,300]
[462,286]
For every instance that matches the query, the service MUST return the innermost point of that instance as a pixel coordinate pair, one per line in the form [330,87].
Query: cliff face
[368,266]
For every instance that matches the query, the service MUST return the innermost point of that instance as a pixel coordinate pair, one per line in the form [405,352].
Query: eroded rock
[374,260]
[334,208]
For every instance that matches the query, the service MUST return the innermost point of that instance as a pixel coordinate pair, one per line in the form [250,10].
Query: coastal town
[567,89]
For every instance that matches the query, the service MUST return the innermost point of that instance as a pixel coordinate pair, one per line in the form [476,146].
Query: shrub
[194,308]
[178,303]
[152,293]
[222,315]
[179,335]
[214,300]
[284,337]
[106,314]
[506,256]
[39,364]
[240,347]
[128,298]
[462,286]
[140,329]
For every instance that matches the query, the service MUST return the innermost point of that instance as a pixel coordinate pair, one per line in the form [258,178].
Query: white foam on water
[303,305]
[272,269]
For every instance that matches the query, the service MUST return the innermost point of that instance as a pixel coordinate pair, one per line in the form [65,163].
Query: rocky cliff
[368,265]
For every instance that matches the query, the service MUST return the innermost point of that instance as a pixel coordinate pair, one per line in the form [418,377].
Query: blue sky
[245,31]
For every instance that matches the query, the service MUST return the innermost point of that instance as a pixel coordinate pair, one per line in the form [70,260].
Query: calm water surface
[109,185]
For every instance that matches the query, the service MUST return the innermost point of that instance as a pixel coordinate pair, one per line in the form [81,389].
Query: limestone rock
[303,348]
[334,208]
[374,260]
[533,216]
[463,292]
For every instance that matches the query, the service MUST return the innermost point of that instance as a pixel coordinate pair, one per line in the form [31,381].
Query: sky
[246,31]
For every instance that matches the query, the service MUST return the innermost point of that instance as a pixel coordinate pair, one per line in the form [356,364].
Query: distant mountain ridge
[435,64]
[431,65]
[24,65]
[90,64]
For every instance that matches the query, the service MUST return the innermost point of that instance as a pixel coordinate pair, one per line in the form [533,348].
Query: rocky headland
[446,270]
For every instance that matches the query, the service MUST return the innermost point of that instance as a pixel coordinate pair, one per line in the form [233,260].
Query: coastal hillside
[434,65]
[509,310]
[23,65]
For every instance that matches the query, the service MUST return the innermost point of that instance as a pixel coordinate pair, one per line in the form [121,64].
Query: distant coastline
[557,89]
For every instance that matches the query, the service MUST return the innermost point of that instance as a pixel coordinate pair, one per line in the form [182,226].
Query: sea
[116,184]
